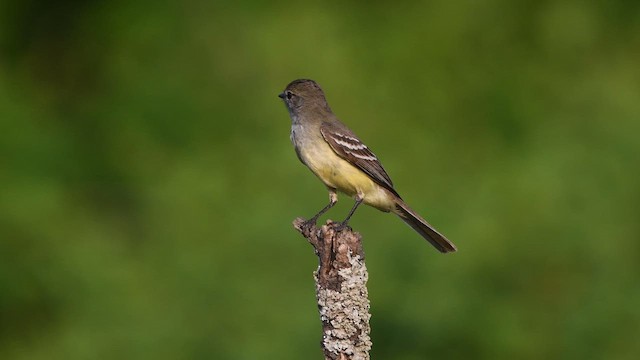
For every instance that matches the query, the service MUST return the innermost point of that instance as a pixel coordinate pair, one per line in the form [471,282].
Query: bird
[343,162]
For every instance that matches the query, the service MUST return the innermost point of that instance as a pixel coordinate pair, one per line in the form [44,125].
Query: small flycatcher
[336,156]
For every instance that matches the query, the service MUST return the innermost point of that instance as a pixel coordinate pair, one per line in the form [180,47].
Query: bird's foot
[342,226]
[310,224]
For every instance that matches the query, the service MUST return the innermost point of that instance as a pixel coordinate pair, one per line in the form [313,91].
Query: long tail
[423,228]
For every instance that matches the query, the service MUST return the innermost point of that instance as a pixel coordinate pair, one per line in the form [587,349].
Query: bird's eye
[289,95]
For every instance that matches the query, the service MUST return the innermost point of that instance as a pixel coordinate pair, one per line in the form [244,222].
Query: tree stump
[341,290]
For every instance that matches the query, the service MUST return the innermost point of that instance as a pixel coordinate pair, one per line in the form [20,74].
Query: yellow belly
[339,174]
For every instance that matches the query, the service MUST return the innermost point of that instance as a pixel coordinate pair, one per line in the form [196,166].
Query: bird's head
[301,94]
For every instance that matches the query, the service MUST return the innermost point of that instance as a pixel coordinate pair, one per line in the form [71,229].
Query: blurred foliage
[148,183]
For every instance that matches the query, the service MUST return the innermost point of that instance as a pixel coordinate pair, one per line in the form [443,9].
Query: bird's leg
[343,224]
[333,199]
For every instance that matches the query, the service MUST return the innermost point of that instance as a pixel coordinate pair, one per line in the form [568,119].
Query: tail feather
[422,227]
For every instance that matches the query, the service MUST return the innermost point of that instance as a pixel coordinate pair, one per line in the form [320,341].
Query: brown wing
[344,142]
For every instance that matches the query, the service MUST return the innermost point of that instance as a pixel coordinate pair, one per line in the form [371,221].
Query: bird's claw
[342,226]
[309,224]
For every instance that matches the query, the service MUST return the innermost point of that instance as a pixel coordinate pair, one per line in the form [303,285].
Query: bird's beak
[281,95]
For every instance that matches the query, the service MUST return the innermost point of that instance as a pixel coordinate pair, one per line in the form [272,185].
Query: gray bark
[341,290]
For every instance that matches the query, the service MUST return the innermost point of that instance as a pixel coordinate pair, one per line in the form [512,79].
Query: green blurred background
[147,182]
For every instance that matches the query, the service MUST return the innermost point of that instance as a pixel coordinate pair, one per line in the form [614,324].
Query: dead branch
[341,290]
